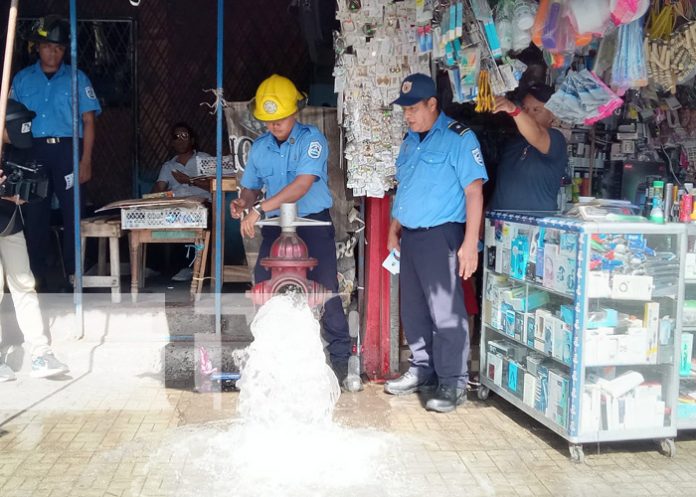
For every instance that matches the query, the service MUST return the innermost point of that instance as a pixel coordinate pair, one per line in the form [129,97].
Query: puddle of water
[284,442]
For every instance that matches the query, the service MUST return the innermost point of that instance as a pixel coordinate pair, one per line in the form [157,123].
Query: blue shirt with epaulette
[273,167]
[432,174]
[51,99]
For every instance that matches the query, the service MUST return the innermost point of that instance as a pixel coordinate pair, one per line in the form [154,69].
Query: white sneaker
[45,366]
[6,374]
[185,274]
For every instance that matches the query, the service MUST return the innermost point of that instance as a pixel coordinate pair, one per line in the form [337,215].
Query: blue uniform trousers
[57,158]
[321,244]
[433,313]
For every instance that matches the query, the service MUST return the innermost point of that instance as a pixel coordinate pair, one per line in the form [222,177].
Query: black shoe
[408,383]
[446,399]
[340,369]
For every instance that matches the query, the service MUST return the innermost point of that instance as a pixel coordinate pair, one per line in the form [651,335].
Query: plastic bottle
[657,214]
[577,181]
[585,185]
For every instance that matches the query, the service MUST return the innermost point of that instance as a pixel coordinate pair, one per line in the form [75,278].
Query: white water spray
[285,378]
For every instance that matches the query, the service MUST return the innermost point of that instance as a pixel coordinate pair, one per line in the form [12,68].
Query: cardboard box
[541,396]
[494,368]
[529,389]
[651,322]
[550,262]
[598,285]
[631,287]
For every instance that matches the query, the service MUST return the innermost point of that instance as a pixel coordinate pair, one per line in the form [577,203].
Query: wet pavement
[92,435]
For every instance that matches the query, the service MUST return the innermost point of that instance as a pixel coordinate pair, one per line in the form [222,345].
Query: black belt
[52,140]
[319,216]
[418,230]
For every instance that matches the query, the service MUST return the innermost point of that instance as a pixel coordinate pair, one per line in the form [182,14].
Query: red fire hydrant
[289,262]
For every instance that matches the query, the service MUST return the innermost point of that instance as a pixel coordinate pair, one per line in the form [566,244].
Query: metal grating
[105,55]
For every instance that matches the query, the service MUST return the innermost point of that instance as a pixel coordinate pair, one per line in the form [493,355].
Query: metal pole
[220,217]
[7,68]
[77,283]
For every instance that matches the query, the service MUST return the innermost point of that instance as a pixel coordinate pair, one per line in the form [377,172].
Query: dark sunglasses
[181,135]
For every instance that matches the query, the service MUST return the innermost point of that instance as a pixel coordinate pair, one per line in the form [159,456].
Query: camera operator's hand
[85,170]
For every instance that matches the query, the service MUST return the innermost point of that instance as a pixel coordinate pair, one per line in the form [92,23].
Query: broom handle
[7,68]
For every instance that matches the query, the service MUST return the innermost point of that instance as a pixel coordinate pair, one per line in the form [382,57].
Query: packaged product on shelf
[495,368]
[541,396]
[686,355]
[689,313]
[515,379]
[529,392]
[651,322]
[558,394]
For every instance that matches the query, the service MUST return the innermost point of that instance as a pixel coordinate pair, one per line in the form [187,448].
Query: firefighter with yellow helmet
[290,162]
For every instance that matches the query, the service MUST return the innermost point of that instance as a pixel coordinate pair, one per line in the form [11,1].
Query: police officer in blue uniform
[290,162]
[45,88]
[440,175]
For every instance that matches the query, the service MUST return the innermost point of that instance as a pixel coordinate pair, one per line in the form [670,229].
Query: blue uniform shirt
[51,99]
[432,175]
[274,167]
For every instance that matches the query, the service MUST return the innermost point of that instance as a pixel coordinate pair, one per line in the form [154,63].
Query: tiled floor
[151,441]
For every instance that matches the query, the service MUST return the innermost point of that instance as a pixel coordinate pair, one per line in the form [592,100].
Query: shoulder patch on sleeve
[458,128]
[314,150]
[478,157]
[90,93]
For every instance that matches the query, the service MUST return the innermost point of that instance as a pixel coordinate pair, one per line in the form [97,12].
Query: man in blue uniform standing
[45,88]
[440,175]
[290,162]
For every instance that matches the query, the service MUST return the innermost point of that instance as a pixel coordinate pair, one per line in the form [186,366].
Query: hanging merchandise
[514,20]
[670,52]
[483,13]
[629,69]
[485,101]
[554,28]
[590,16]
[379,45]
[583,98]
[627,11]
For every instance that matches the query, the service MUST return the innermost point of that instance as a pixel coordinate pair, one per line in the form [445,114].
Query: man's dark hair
[192,134]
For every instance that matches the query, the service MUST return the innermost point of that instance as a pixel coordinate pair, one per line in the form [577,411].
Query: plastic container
[523,15]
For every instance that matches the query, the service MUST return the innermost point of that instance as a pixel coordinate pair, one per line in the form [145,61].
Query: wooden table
[230,273]
[200,237]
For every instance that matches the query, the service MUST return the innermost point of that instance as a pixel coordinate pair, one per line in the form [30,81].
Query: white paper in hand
[391,263]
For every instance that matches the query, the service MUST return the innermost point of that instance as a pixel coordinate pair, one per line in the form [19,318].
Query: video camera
[29,181]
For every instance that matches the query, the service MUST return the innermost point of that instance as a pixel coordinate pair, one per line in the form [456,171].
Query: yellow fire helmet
[276,98]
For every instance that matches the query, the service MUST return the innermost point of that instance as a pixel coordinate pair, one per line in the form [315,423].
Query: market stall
[623,73]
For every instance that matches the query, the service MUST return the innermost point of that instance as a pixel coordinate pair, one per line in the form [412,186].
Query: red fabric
[470,300]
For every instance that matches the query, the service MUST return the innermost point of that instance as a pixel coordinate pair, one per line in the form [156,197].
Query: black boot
[446,399]
[408,383]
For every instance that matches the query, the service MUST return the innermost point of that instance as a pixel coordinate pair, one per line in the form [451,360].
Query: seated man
[176,175]
[177,172]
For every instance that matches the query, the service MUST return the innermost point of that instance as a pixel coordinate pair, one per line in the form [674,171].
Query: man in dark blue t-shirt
[533,164]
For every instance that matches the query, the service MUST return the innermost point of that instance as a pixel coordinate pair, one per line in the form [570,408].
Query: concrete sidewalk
[91,436]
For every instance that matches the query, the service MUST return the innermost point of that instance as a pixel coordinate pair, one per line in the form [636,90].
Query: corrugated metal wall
[173,44]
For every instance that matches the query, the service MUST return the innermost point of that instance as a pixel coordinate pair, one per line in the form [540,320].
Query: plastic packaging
[540,21]
[551,26]
[657,214]
[590,16]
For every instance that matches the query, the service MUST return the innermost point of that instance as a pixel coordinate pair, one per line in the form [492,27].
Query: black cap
[415,88]
[51,29]
[541,92]
[18,124]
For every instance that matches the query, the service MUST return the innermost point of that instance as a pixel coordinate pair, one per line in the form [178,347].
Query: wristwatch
[259,210]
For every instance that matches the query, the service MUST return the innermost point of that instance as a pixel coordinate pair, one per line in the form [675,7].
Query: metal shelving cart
[686,406]
[581,325]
